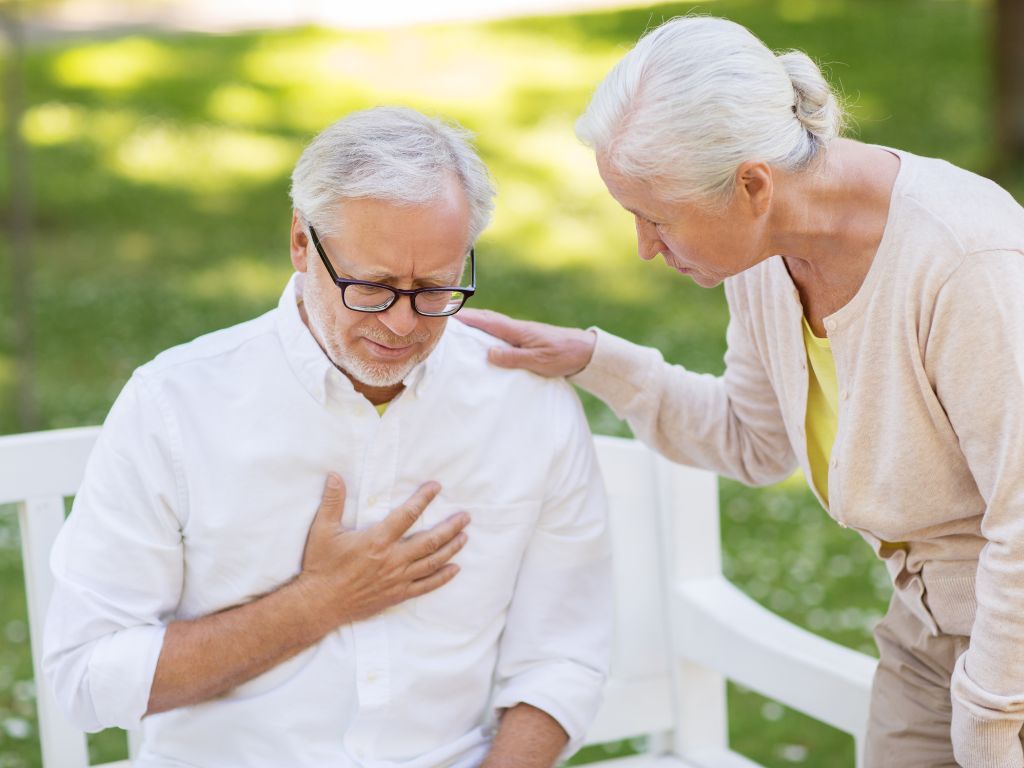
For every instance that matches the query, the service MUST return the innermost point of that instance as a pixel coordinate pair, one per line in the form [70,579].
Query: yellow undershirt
[382,407]
[822,407]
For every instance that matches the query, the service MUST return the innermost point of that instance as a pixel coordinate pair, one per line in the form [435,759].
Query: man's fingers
[494,323]
[430,583]
[428,565]
[401,518]
[332,502]
[426,543]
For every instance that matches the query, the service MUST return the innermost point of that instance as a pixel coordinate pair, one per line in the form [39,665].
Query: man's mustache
[390,340]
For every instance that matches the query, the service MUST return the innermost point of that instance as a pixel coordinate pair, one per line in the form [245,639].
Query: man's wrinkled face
[404,246]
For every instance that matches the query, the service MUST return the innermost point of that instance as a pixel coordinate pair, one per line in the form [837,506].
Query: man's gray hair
[394,154]
[697,97]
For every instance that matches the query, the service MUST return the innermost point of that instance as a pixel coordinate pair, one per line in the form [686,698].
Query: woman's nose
[648,243]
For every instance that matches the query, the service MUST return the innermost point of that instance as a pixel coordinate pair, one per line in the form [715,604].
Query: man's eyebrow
[387,278]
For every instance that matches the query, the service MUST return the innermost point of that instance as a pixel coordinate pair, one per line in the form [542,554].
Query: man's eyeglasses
[364,296]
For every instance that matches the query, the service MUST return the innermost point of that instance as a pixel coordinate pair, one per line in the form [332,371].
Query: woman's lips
[680,269]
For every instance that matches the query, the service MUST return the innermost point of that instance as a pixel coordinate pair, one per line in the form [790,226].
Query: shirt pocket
[488,563]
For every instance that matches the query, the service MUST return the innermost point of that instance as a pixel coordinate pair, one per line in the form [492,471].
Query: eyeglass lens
[370,298]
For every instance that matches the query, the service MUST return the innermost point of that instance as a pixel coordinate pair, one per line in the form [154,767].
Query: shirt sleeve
[118,570]
[731,424]
[556,647]
[975,358]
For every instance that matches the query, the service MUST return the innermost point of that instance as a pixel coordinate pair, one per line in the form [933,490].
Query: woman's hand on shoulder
[548,350]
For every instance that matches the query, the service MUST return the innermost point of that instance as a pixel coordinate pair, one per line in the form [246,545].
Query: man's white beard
[368,372]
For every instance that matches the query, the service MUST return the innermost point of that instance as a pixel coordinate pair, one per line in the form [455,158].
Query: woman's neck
[829,222]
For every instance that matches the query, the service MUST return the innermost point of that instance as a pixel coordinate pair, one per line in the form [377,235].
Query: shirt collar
[313,368]
[308,362]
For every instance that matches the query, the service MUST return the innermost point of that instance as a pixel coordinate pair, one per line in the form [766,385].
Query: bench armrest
[717,626]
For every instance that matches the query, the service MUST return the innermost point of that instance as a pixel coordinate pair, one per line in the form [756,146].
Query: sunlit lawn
[160,169]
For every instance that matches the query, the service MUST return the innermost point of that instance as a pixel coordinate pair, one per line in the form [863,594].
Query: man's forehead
[382,262]
[383,239]
[449,201]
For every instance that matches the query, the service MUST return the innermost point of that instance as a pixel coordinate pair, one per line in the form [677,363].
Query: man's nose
[400,318]
[648,243]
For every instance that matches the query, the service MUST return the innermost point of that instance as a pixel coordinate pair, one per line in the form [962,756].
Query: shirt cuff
[985,728]
[121,670]
[618,371]
[568,692]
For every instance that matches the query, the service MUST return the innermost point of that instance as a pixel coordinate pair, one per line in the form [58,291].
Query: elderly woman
[876,341]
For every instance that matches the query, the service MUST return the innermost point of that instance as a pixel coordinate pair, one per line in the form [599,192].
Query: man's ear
[299,243]
[755,185]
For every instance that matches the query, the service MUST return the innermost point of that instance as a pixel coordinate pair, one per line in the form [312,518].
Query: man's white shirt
[199,496]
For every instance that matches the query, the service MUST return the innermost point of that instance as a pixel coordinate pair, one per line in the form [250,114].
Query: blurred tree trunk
[1009,53]
[20,217]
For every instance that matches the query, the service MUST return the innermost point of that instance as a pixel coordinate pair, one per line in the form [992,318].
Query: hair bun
[815,103]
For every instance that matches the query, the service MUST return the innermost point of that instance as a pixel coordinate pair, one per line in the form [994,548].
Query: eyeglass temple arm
[320,252]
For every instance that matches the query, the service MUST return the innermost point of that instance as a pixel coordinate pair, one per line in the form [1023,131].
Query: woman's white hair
[697,97]
[389,153]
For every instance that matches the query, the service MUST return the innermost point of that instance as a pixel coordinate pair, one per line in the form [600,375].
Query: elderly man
[204,596]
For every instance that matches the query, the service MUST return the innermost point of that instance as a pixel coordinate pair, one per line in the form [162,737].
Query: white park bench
[681,629]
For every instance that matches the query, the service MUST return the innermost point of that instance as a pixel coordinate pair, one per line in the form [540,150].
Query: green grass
[160,168]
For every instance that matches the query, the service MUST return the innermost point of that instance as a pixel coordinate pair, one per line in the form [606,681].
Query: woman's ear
[755,184]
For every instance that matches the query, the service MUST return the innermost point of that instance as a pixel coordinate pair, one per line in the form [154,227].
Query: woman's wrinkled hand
[548,350]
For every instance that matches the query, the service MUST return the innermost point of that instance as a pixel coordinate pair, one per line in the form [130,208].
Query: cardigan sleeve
[731,424]
[975,358]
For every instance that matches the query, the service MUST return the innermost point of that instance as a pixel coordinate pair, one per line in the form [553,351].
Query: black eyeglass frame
[343,283]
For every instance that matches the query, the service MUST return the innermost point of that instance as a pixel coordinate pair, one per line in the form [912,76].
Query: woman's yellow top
[822,407]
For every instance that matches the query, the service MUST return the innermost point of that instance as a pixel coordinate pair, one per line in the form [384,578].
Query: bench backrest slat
[36,472]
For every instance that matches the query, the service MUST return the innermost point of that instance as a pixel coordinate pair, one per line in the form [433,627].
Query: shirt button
[371,677]
[844,395]
[834,463]
[843,525]
[372,501]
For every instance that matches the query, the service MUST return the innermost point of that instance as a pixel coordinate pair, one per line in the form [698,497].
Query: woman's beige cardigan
[929,451]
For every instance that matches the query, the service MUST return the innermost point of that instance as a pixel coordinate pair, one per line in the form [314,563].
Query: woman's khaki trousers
[910,704]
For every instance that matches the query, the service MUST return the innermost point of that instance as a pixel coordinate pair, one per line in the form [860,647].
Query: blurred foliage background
[159,172]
